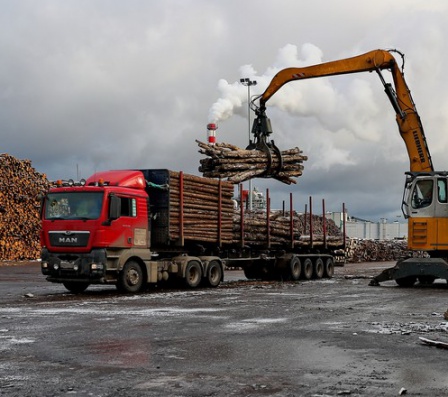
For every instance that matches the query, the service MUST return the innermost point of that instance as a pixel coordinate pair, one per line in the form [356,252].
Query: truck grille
[69,239]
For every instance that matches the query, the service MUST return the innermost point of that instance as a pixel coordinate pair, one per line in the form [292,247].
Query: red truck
[132,228]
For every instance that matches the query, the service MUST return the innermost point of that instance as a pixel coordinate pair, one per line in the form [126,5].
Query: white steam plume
[335,107]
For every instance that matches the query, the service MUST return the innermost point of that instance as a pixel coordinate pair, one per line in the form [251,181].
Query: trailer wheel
[76,288]
[329,268]
[295,268]
[307,269]
[318,269]
[214,274]
[193,274]
[131,277]
[406,282]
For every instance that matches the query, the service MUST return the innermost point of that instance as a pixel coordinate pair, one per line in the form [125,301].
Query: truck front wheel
[193,274]
[131,277]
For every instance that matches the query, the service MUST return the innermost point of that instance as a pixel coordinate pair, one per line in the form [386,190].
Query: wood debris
[436,343]
[20,186]
[237,165]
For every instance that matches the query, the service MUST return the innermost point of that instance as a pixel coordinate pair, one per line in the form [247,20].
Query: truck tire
[329,268]
[214,274]
[307,269]
[295,268]
[193,274]
[318,268]
[130,278]
[76,288]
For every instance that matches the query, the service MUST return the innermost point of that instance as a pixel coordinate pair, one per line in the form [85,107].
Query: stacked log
[202,220]
[360,250]
[237,165]
[256,230]
[20,186]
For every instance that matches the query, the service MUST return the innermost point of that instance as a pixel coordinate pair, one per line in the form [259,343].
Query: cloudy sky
[88,85]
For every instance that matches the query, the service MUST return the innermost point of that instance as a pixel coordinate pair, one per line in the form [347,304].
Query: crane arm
[408,120]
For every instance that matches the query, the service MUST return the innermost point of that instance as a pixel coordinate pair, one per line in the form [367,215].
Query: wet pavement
[316,338]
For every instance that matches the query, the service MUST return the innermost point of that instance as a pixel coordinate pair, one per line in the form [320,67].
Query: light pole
[249,83]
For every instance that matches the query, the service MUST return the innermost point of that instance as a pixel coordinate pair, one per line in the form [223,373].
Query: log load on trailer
[132,228]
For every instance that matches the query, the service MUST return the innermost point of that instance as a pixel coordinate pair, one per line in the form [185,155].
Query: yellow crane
[425,198]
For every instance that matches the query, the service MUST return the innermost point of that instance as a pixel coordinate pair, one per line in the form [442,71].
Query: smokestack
[211,135]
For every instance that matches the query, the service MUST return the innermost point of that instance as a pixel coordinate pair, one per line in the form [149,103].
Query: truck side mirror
[114,208]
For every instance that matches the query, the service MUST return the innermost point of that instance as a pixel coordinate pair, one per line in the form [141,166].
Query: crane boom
[408,120]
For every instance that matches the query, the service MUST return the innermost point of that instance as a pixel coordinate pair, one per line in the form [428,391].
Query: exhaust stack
[211,135]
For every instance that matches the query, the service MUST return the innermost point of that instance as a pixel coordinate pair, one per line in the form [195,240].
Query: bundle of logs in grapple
[238,165]
[306,229]
[20,186]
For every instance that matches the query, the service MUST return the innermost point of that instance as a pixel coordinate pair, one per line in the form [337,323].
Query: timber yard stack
[238,165]
[359,250]
[20,186]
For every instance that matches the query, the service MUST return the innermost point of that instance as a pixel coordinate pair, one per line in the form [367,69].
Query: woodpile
[20,186]
[256,231]
[237,165]
[359,250]
[202,220]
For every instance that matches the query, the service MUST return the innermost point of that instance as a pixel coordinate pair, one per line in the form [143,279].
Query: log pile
[255,230]
[237,165]
[20,186]
[359,250]
[201,209]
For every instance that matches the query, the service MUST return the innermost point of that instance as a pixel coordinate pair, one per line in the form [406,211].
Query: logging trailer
[132,228]
[425,197]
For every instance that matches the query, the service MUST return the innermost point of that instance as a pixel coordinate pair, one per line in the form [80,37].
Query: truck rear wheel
[131,277]
[307,269]
[76,288]
[318,270]
[329,268]
[214,274]
[193,274]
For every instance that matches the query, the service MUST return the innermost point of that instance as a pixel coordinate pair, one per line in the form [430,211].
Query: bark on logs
[237,165]
[20,186]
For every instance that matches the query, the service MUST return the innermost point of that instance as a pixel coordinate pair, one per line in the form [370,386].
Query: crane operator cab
[425,205]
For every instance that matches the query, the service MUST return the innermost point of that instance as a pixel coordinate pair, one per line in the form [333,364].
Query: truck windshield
[73,205]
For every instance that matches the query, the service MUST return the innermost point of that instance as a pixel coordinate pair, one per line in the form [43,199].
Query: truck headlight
[56,266]
[96,266]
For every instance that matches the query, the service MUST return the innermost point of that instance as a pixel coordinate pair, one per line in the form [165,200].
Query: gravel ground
[316,338]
